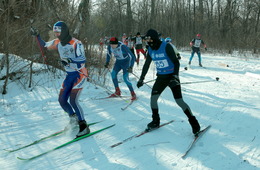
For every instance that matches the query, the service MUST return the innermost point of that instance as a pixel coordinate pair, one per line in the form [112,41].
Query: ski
[197,137]
[67,143]
[109,97]
[44,138]
[128,104]
[140,134]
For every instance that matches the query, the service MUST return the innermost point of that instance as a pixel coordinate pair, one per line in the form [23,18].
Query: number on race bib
[161,64]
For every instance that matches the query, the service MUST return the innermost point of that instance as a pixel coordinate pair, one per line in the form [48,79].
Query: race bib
[161,63]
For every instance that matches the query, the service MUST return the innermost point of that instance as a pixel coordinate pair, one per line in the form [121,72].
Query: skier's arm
[51,45]
[203,43]
[146,66]
[171,54]
[108,54]
[127,51]
[42,43]
[192,42]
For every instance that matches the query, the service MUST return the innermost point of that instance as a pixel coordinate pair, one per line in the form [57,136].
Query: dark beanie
[153,34]
[113,40]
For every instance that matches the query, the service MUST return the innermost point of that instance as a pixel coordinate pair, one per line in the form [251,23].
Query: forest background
[225,26]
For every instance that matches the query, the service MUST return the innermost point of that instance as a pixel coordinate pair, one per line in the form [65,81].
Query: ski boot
[152,125]
[195,125]
[117,93]
[133,95]
[83,129]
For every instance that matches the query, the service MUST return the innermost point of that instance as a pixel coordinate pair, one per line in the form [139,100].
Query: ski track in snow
[231,105]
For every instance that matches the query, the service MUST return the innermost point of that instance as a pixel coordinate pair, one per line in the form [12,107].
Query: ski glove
[206,49]
[106,65]
[34,31]
[140,83]
[66,61]
[130,70]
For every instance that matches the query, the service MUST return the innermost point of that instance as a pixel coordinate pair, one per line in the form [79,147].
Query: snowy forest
[225,25]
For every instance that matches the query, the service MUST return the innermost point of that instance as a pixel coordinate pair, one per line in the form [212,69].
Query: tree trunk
[152,18]
[6,46]
[129,23]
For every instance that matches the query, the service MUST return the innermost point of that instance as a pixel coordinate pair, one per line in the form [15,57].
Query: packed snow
[230,105]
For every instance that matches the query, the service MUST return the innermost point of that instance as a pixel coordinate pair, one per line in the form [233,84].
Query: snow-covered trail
[231,105]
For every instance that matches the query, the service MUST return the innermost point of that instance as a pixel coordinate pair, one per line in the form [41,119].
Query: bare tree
[129,23]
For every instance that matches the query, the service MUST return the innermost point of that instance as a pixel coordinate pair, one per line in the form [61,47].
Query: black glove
[178,56]
[140,83]
[130,70]
[206,49]
[106,65]
[66,61]
[34,31]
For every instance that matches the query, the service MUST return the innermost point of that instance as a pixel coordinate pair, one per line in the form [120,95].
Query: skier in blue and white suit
[73,58]
[124,61]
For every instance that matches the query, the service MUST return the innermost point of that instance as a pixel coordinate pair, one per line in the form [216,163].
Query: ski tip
[23,159]
[7,150]
[112,146]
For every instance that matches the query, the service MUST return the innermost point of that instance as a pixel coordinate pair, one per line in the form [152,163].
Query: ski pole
[193,82]
[149,81]
[79,71]
[144,82]
[39,45]
[94,81]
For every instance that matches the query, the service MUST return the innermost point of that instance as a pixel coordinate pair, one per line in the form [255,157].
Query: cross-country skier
[73,58]
[139,46]
[195,46]
[167,66]
[130,43]
[124,61]
[124,39]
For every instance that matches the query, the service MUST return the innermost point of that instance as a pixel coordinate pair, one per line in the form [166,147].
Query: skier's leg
[127,80]
[158,87]
[138,56]
[199,56]
[74,96]
[176,91]
[128,83]
[191,57]
[114,74]
[64,96]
